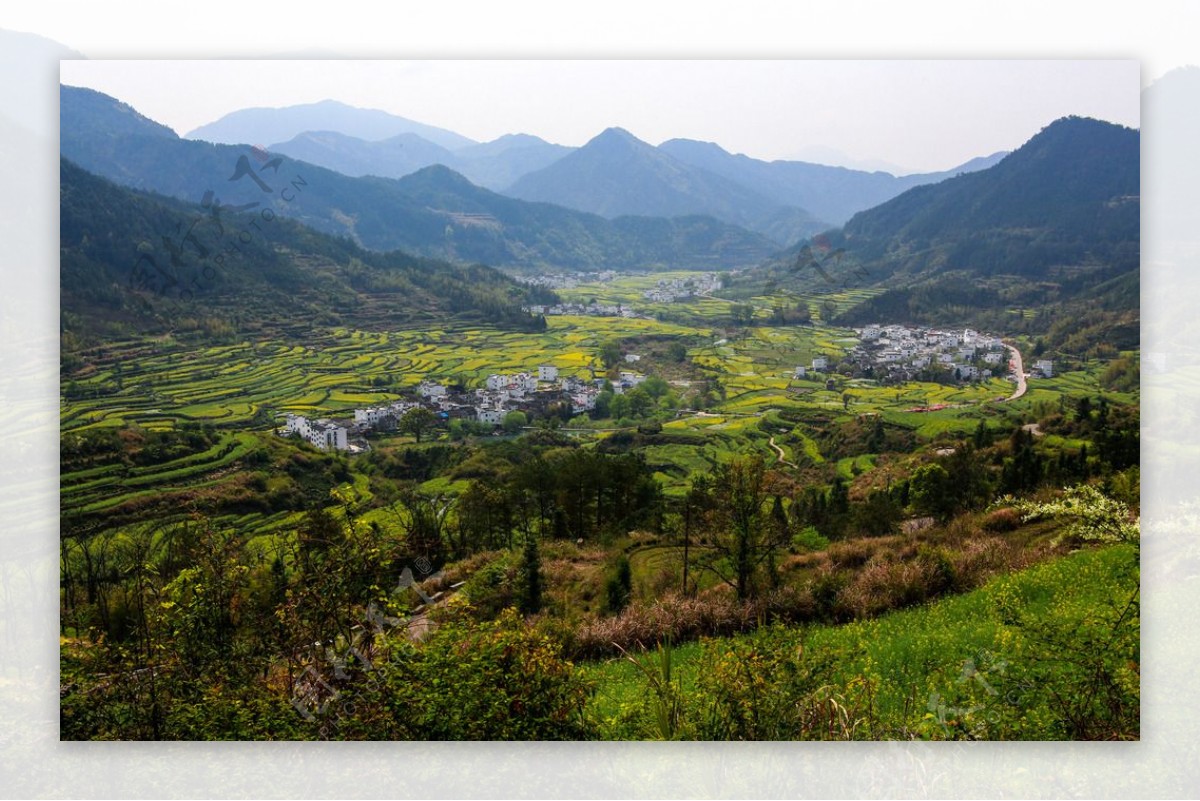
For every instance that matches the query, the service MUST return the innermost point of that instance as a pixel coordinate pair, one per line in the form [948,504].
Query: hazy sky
[918,115]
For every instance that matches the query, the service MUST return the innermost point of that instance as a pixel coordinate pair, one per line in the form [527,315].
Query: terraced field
[153,384]
[244,389]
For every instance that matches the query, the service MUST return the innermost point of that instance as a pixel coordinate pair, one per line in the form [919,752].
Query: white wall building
[431,389]
[492,416]
[547,372]
[323,434]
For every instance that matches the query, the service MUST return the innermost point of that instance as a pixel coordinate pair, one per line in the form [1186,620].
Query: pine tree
[530,602]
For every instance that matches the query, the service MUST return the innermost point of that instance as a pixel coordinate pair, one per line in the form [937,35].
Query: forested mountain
[617,174]
[439,215]
[1068,197]
[833,194]
[134,262]
[1053,227]
[261,126]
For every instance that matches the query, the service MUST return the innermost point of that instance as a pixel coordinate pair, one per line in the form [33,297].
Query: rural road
[1019,371]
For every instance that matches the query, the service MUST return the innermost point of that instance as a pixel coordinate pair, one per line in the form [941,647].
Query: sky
[902,115]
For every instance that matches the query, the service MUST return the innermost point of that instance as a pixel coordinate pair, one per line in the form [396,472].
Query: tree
[930,491]
[603,407]
[618,589]
[742,534]
[610,354]
[514,421]
[530,601]
[417,422]
[878,515]
[742,313]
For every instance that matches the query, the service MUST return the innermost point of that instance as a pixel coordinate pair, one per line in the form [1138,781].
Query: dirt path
[779,451]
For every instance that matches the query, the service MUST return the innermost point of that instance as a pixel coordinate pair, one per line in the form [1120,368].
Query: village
[672,290]
[895,354]
[534,394]
[891,354]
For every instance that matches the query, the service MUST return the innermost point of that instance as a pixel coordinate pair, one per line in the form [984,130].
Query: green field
[909,657]
[248,387]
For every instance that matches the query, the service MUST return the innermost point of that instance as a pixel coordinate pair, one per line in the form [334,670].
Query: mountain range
[134,261]
[258,126]
[614,174]
[1054,222]
[493,165]
[434,212]
[1054,226]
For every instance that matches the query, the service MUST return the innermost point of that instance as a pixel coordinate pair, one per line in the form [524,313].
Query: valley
[638,447]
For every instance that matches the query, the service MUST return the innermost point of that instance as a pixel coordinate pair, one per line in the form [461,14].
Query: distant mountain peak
[254,125]
[615,135]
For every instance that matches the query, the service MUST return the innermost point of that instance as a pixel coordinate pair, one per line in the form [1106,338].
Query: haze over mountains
[1056,219]
[1055,225]
[493,165]
[260,126]
[614,174]
[434,212]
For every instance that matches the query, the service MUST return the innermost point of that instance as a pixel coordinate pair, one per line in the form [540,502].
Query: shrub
[498,680]
[809,540]
[1002,520]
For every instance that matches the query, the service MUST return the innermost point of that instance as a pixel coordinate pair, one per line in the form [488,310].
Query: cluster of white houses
[670,290]
[490,404]
[897,353]
[583,310]
[569,280]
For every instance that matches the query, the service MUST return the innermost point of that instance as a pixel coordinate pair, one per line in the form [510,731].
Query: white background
[34,763]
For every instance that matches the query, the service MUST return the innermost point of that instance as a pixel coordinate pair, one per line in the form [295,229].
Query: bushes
[618,587]
[499,680]
[767,686]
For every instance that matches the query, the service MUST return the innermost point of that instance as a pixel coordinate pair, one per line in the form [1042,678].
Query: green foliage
[499,680]
[514,421]
[530,599]
[610,354]
[417,422]
[1091,516]
[809,540]
[618,587]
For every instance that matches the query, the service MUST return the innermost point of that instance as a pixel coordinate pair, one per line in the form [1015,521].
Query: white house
[371,416]
[967,372]
[1045,367]
[820,363]
[492,416]
[993,357]
[632,357]
[323,434]
[800,371]
[547,372]
[431,389]
[583,401]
